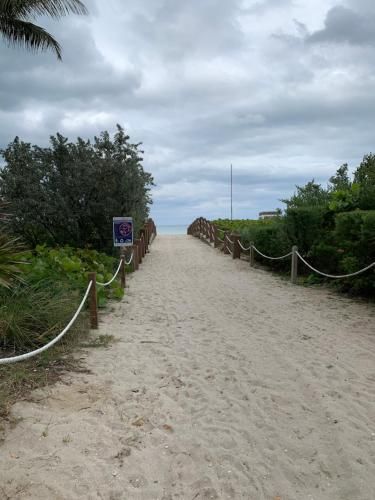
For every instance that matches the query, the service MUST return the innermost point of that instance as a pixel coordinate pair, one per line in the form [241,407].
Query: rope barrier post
[294,270]
[93,302]
[212,233]
[226,243]
[139,251]
[236,246]
[123,273]
[148,236]
[143,244]
[252,254]
[135,258]
[216,237]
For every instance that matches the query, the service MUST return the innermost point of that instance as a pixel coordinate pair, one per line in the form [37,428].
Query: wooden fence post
[143,244]
[148,236]
[294,270]
[212,233]
[139,250]
[216,237]
[252,254]
[226,243]
[135,258]
[123,273]
[93,302]
[236,246]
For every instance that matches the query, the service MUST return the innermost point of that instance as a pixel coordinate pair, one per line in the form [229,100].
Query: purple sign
[122,231]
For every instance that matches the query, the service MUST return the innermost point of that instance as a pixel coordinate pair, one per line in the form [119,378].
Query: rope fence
[206,230]
[332,275]
[268,257]
[23,357]
[138,251]
[114,276]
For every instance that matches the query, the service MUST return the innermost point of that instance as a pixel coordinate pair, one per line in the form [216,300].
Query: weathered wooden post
[148,234]
[252,254]
[93,302]
[216,237]
[236,246]
[139,250]
[207,234]
[135,258]
[294,270]
[211,232]
[122,271]
[143,243]
[226,244]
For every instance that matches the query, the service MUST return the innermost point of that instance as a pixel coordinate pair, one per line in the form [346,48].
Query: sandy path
[226,383]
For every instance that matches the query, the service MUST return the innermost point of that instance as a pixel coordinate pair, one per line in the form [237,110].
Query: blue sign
[122,231]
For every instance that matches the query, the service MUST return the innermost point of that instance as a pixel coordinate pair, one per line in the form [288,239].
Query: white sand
[226,383]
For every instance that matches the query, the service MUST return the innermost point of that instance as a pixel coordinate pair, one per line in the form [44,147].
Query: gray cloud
[344,25]
[283,90]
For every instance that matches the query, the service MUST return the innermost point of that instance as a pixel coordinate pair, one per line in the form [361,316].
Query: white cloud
[204,85]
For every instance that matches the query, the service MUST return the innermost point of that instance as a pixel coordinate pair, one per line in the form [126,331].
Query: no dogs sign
[122,231]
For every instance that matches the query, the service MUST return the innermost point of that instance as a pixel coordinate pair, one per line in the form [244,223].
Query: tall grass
[31,315]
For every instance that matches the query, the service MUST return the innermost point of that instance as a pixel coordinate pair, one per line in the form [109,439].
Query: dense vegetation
[59,203]
[333,227]
[67,194]
[56,209]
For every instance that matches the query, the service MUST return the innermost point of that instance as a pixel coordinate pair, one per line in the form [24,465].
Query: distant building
[267,215]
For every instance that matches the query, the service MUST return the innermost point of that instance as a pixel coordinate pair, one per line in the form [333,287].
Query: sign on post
[122,231]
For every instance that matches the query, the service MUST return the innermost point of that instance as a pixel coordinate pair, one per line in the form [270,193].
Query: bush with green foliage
[54,280]
[69,192]
[333,227]
[69,266]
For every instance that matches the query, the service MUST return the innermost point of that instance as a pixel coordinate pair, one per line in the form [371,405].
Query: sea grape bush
[70,266]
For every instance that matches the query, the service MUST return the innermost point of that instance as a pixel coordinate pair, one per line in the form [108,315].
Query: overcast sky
[283,89]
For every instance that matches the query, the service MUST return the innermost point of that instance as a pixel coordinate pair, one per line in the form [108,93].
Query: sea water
[177,229]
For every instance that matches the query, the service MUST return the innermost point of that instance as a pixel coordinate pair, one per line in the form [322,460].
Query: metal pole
[231,192]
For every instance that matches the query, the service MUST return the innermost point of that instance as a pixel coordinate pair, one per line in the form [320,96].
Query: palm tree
[16,26]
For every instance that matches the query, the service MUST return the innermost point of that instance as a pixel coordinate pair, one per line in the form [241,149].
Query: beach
[223,382]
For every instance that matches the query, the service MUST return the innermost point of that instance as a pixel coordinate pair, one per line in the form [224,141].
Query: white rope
[228,239]
[272,258]
[243,248]
[335,276]
[229,250]
[222,241]
[22,357]
[221,230]
[127,263]
[114,276]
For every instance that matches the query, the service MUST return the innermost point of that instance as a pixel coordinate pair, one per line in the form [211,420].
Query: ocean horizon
[172,228]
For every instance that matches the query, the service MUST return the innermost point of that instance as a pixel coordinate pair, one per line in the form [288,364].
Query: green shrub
[30,316]
[70,266]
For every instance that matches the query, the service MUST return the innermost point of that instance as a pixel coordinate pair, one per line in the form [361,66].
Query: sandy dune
[226,382]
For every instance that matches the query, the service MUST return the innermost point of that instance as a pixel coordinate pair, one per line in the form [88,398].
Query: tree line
[67,193]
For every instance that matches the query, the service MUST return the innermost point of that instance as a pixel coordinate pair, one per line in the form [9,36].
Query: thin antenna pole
[231,192]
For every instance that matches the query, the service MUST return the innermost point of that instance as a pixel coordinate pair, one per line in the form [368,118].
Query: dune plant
[11,258]
[30,316]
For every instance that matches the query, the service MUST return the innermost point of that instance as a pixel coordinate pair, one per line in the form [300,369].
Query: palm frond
[30,8]
[28,35]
